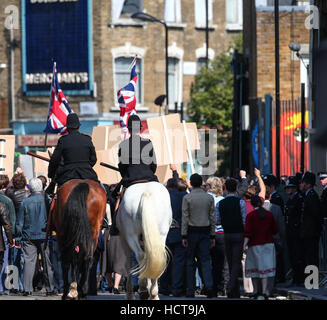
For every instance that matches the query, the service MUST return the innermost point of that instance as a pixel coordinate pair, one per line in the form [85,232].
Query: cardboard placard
[164,173]
[106,137]
[193,136]
[26,164]
[106,175]
[175,136]
[7,154]
[41,166]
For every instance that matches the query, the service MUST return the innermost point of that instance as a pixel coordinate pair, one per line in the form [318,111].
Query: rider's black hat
[134,121]
[72,121]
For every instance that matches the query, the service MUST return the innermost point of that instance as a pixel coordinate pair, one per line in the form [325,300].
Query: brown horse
[78,215]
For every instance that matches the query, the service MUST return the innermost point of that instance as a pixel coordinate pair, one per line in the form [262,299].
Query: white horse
[143,219]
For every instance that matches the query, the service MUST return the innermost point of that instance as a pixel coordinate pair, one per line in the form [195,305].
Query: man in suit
[293,215]
[323,197]
[280,238]
[311,222]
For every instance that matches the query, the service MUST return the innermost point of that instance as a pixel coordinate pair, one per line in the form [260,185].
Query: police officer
[74,154]
[293,212]
[323,197]
[311,224]
[137,163]
[137,159]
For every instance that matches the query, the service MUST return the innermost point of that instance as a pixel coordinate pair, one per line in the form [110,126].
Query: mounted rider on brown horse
[78,212]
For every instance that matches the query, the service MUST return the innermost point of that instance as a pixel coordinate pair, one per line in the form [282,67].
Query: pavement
[281,292]
[301,293]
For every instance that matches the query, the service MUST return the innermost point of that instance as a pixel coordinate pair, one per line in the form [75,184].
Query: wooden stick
[167,139]
[37,156]
[109,166]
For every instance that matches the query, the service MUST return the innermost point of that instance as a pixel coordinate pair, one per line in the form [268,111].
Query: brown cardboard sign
[41,166]
[7,154]
[106,137]
[106,175]
[169,140]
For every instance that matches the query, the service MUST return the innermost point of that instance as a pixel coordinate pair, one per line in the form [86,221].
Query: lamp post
[148,18]
[296,47]
[277,88]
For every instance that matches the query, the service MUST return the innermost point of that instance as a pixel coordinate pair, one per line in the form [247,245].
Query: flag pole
[130,66]
[46,134]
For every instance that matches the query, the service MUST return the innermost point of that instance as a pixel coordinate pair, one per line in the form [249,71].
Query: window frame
[177,53]
[238,26]
[128,51]
[210,21]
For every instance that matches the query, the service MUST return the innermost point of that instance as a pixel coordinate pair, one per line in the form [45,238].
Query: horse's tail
[155,255]
[76,230]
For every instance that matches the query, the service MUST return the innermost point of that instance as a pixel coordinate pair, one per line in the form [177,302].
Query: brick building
[112,42]
[259,52]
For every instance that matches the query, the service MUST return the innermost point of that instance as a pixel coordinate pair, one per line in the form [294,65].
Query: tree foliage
[211,102]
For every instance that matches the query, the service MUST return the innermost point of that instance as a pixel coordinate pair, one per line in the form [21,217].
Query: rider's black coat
[77,152]
[137,160]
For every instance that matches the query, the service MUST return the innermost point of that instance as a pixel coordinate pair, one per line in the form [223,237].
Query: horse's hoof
[144,295]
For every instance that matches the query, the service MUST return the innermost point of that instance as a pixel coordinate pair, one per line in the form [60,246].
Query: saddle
[122,192]
[114,230]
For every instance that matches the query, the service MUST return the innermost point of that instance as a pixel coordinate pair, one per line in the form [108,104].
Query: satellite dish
[159,100]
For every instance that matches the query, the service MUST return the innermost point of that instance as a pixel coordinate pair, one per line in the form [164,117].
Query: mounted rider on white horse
[144,215]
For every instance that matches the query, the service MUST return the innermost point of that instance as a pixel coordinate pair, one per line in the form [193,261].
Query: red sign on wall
[37,140]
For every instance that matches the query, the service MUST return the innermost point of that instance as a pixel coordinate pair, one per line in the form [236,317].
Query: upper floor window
[201,63]
[173,11]
[121,8]
[234,14]
[265,3]
[200,13]
[173,80]
[122,75]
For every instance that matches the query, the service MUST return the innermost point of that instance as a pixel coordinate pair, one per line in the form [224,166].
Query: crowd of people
[261,230]
[230,236]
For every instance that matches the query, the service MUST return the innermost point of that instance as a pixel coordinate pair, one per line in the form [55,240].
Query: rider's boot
[48,198]
[113,198]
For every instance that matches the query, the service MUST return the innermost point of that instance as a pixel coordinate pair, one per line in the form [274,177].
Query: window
[173,80]
[200,13]
[234,14]
[132,6]
[283,2]
[122,75]
[201,63]
[173,11]
[121,8]
[200,54]
[265,3]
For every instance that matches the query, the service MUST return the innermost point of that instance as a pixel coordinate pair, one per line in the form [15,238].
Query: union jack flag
[127,99]
[58,108]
